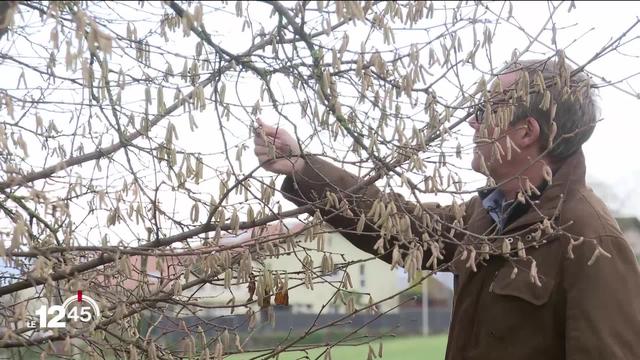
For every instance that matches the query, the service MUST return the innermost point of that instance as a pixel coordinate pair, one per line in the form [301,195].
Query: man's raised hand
[277,150]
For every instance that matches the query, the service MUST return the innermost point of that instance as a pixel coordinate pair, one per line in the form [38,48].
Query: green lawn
[405,348]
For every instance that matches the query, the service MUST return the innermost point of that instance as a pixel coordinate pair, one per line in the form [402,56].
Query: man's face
[484,145]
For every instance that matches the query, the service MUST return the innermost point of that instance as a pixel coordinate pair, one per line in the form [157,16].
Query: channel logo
[77,312]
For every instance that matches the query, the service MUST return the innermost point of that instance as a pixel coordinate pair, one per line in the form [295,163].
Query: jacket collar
[505,212]
[569,176]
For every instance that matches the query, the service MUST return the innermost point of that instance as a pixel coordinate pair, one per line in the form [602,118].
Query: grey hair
[576,109]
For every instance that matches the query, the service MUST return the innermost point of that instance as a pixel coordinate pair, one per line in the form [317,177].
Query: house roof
[174,264]
[273,230]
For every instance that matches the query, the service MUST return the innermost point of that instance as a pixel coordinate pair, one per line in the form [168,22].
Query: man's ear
[527,134]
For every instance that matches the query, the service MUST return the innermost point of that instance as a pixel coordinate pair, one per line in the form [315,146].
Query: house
[21,304]
[368,276]
[372,277]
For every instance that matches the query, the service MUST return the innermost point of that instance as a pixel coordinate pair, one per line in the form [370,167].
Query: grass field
[406,348]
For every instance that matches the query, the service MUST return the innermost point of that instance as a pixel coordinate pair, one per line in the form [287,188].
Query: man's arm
[317,177]
[603,302]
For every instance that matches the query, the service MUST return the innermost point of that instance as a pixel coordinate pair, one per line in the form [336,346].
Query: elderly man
[542,271]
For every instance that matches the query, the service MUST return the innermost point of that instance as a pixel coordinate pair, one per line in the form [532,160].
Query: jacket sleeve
[318,177]
[602,302]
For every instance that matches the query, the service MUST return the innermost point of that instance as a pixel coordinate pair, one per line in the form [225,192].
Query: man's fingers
[263,157]
[258,141]
[279,144]
[263,149]
[269,138]
[261,152]
[269,130]
[277,136]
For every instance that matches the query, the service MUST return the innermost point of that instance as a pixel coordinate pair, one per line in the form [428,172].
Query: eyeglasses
[501,101]
[479,113]
[516,115]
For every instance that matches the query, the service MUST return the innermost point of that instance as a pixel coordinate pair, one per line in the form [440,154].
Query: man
[542,270]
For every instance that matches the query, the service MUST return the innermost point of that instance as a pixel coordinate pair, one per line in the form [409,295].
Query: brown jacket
[583,307]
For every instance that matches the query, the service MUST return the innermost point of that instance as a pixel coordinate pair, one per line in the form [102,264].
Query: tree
[125,130]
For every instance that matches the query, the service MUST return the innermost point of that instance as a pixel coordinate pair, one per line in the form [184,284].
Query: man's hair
[576,110]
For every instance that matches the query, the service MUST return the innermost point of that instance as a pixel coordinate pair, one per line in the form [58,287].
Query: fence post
[425,305]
